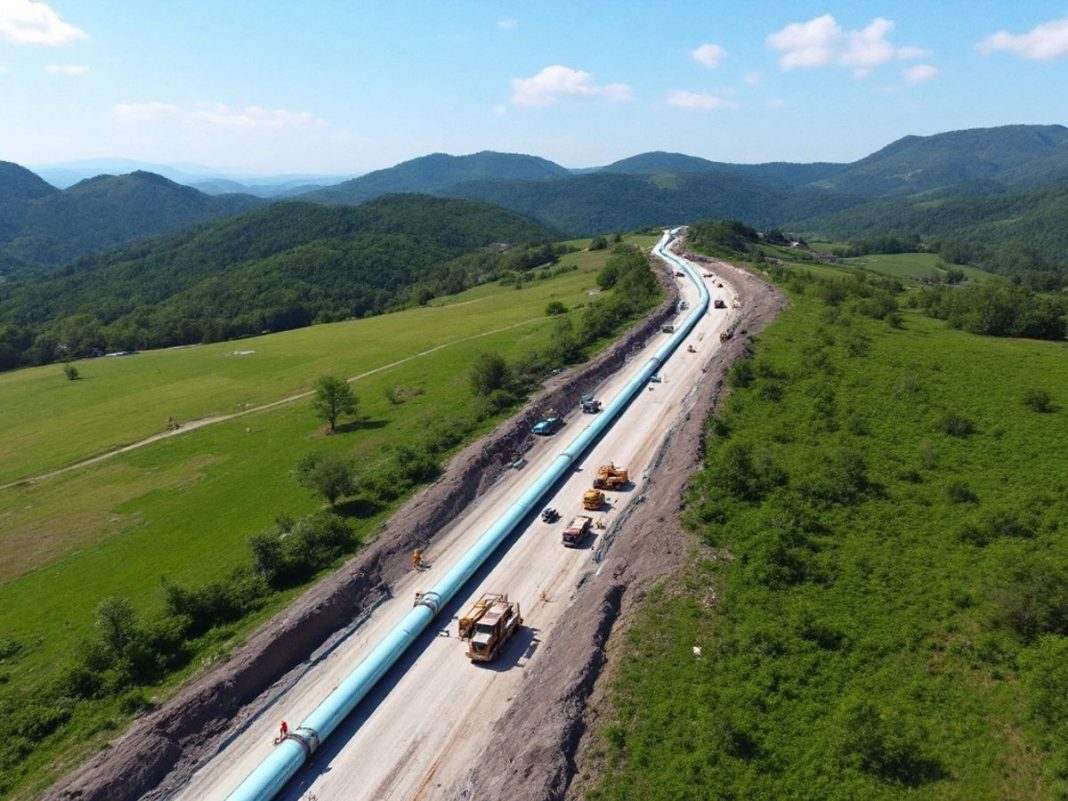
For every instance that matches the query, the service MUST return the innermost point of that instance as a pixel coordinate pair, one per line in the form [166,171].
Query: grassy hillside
[1005,232]
[109,210]
[281,267]
[880,588]
[181,511]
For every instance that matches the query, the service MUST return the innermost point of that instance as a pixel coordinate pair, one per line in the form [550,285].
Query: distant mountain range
[42,225]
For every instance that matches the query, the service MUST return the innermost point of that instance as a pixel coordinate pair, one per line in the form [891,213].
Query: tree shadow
[359,507]
[358,425]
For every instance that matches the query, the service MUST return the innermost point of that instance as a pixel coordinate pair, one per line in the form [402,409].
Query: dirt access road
[423,728]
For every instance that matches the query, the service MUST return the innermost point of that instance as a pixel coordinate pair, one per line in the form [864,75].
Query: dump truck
[547,426]
[577,530]
[488,625]
[593,499]
[610,477]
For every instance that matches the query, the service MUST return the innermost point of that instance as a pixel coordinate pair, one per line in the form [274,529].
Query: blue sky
[325,86]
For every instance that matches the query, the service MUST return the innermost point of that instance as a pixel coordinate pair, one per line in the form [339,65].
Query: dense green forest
[43,226]
[880,594]
[281,267]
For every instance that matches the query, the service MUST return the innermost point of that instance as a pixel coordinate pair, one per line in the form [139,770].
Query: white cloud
[500,109]
[710,55]
[753,78]
[29,22]
[821,42]
[558,82]
[1043,42]
[508,24]
[73,70]
[216,116]
[921,73]
[774,102]
[698,102]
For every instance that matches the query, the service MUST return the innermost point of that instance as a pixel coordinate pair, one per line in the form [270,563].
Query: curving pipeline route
[283,762]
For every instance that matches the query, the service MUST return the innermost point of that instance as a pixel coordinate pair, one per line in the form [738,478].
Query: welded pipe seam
[271,775]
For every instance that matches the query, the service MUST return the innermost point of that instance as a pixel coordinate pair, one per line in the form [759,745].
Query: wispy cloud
[508,24]
[1044,42]
[709,55]
[822,42]
[29,22]
[698,102]
[216,116]
[556,83]
[73,70]
[921,73]
[774,102]
[754,78]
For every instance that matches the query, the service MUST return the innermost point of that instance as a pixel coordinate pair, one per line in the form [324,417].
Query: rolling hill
[1014,155]
[55,226]
[280,267]
[777,172]
[437,172]
[18,188]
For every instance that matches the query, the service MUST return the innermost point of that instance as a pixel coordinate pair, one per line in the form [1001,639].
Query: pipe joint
[431,600]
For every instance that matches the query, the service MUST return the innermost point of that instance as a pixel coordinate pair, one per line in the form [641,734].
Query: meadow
[917,266]
[879,586]
[181,510]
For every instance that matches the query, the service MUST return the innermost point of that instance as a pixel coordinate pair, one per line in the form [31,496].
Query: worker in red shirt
[283,730]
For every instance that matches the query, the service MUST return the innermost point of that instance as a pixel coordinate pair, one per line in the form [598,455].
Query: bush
[489,372]
[1039,400]
[332,476]
[1033,600]
[960,492]
[555,307]
[956,425]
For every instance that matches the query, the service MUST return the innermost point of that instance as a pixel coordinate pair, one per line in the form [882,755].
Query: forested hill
[1018,156]
[777,172]
[434,173]
[1013,233]
[18,186]
[601,202]
[280,267]
[56,226]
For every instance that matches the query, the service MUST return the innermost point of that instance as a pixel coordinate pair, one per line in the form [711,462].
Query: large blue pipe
[272,774]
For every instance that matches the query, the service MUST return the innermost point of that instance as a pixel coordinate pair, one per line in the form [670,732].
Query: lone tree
[71,372]
[333,477]
[333,398]
[490,372]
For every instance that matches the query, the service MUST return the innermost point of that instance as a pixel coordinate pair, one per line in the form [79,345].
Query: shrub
[1039,400]
[1033,599]
[956,425]
[555,307]
[960,492]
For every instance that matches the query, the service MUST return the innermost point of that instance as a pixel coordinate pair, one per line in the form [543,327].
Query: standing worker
[417,559]
[283,732]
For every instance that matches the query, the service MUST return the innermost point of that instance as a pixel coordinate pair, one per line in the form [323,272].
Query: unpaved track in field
[418,734]
[193,425]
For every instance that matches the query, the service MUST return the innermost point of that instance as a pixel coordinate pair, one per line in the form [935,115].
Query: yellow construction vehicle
[610,477]
[488,625]
[593,499]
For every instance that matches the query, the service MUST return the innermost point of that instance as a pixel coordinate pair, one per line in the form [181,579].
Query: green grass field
[858,600]
[914,265]
[182,509]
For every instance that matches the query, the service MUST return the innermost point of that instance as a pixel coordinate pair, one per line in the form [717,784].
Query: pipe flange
[309,738]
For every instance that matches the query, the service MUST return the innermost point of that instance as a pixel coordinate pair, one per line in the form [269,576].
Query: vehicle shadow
[522,646]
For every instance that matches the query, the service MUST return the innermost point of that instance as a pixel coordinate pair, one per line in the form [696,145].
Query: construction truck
[719,303]
[593,499]
[577,530]
[488,625]
[610,477]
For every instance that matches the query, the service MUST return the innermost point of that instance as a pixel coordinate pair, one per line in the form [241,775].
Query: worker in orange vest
[417,558]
